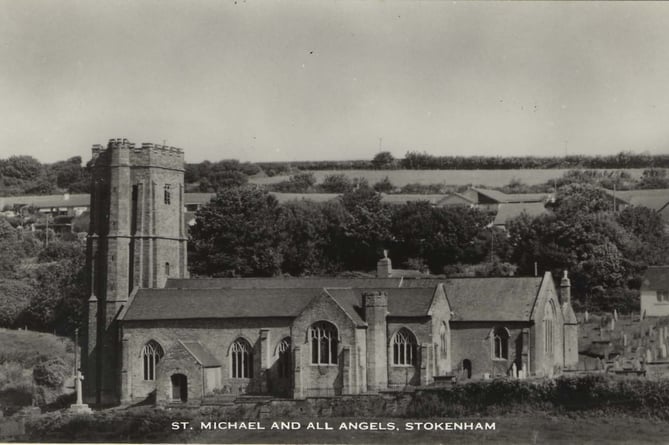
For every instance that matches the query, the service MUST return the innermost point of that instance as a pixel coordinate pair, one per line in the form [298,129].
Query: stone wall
[314,379]
[473,341]
[216,336]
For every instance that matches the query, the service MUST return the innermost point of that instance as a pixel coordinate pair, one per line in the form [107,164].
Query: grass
[30,348]
[20,352]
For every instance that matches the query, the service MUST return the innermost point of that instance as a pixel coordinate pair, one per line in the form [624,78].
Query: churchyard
[624,344]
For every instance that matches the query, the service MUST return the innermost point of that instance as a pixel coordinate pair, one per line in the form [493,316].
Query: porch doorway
[179,388]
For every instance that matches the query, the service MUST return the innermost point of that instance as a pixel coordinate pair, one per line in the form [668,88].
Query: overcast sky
[288,80]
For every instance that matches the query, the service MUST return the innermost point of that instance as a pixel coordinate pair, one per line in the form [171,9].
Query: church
[155,334]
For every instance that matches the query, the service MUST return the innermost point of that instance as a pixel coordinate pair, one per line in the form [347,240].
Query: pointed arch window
[152,352]
[241,358]
[549,328]
[324,343]
[284,363]
[404,348]
[443,339]
[500,343]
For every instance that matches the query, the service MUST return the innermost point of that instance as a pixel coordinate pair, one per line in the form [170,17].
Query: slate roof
[492,299]
[314,197]
[402,302]
[47,201]
[175,304]
[201,354]
[655,199]
[508,211]
[471,299]
[198,198]
[296,283]
[656,277]
[502,197]
[403,198]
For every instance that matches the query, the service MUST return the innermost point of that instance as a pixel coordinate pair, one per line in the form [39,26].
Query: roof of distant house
[47,201]
[502,197]
[657,199]
[656,277]
[507,211]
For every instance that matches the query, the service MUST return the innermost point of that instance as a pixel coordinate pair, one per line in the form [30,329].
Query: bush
[15,298]
[51,373]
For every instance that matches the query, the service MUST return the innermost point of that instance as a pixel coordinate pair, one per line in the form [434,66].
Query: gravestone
[649,355]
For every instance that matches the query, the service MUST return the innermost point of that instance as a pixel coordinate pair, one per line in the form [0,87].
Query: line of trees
[246,232]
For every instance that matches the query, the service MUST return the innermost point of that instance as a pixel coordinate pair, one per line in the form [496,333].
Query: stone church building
[155,333]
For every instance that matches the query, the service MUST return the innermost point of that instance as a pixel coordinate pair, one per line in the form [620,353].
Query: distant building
[655,292]
[154,332]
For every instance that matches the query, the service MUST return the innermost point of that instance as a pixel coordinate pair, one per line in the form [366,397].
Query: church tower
[137,238]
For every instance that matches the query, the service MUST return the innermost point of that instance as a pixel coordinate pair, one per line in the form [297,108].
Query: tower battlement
[122,151]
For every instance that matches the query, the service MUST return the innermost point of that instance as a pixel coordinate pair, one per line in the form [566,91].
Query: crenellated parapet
[123,152]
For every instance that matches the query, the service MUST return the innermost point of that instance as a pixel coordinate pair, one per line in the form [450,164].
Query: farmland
[486,178]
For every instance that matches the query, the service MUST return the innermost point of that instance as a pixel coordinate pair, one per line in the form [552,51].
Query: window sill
[324,364]
[403,366]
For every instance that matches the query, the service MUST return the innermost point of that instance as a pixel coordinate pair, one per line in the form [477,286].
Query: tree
[384,186]
[339,183]
[15,296]
[383,160]
[365,230]
[236,234]
[303,228]
[654,178]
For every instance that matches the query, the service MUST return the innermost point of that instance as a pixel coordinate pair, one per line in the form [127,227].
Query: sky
[333,80]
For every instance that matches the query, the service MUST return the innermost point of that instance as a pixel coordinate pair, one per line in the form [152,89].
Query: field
[487,178]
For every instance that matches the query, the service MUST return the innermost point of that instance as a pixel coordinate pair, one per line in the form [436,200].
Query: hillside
[24,351]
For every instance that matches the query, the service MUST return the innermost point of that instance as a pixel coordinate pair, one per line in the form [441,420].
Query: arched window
[152,352]
[167,269]
[241,358]
[500,344]
[404,348]
[323,343]
[284,362]
[167,194]
[549,328]
[443,339]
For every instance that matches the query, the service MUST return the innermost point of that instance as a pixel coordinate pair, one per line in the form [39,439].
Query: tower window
[168,195]
[167,269]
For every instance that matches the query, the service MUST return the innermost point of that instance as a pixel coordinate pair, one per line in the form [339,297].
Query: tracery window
[404,348]
[324,343]
[241,359]
[500,344]
[152,352]
[285,360]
